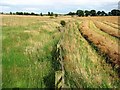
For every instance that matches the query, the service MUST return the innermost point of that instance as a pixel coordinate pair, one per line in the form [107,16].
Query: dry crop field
[34,48]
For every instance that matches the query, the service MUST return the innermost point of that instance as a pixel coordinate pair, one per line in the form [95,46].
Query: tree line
[25,13]
[32,13]
[114,12]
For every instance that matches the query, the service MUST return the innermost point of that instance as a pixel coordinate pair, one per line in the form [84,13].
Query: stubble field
[88,47]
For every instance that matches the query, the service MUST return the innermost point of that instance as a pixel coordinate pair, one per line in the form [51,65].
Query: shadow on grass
[49,80]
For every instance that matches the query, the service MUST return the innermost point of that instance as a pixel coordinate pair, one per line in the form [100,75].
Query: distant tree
[32,13]
[26,13]
[19,13]
[87,13]
[68,13]
[109,14]
[93,13]
[56,15]
[80,13]
[99,13]
[41,14]
[13,13]
[1,13]
[51,14]
[103,13]
[115,12]
[48,13]
[71,13]
[10,13]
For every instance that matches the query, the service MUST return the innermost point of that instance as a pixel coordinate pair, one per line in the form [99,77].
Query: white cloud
[57,5]
[53,2]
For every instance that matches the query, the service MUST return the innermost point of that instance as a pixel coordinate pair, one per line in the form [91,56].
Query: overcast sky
[57,6]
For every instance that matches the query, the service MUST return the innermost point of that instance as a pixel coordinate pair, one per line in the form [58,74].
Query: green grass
[0,56]
[29,57]
[27,60]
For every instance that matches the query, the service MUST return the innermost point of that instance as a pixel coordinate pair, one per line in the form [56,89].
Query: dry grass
[29,52]
[107,29]
[101,42]
[83,66]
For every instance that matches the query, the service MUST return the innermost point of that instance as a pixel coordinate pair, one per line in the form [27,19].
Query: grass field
[90,53]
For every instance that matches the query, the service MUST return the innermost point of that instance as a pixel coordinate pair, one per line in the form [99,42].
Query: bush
[56,15]
[63,23]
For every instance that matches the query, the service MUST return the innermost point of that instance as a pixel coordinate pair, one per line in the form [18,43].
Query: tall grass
[28,45]
[0,53]
[84,68]
[29,55]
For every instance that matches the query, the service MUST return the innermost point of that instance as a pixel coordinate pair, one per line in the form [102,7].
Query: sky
[56,6]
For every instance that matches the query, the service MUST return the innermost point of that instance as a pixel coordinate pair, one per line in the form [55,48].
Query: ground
[90,54]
